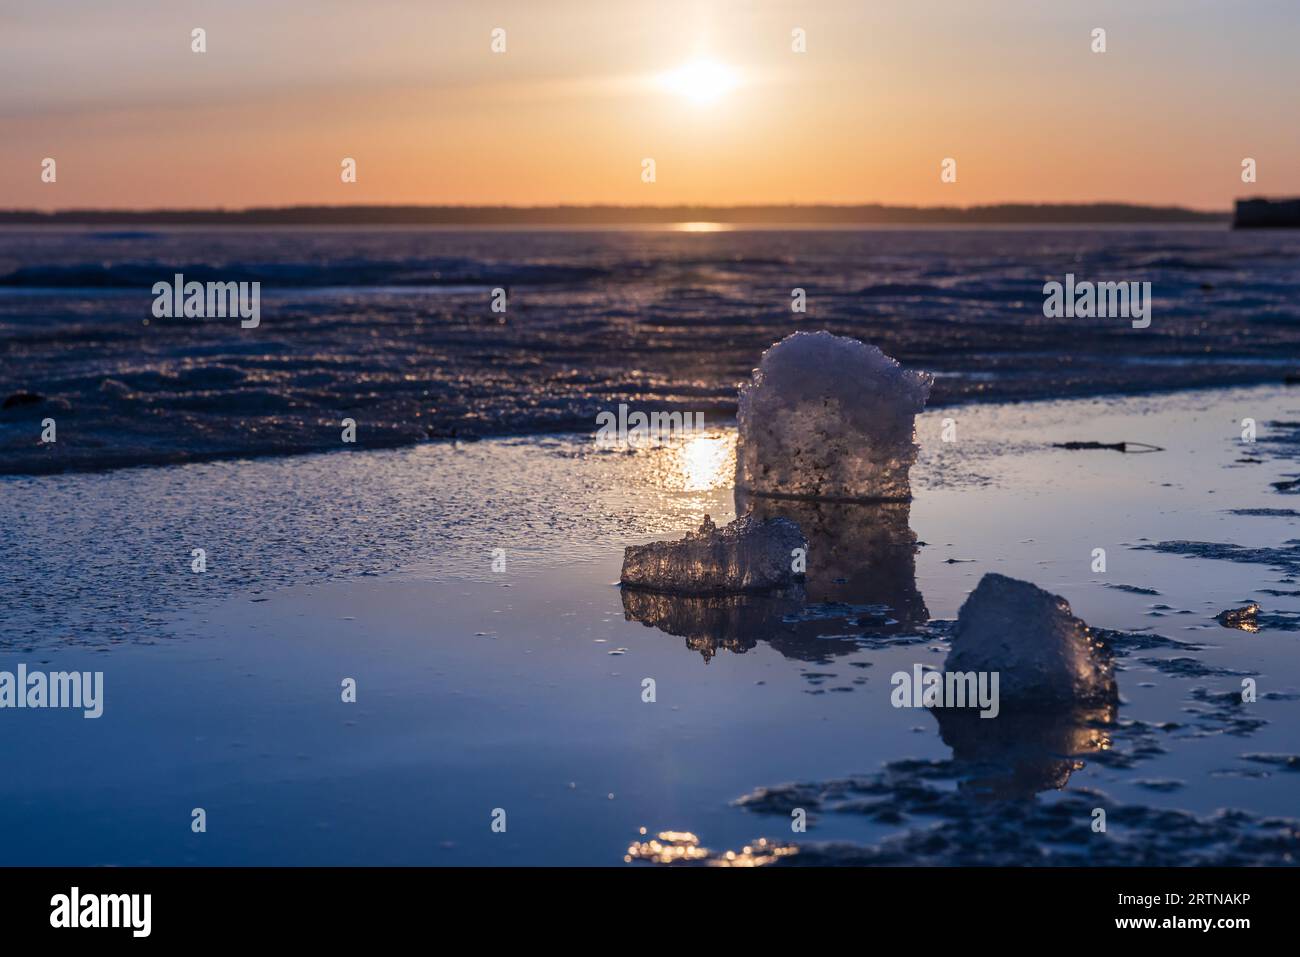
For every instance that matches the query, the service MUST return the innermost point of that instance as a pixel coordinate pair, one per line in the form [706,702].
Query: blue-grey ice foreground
[828,417]
[746,555]
[1046,657]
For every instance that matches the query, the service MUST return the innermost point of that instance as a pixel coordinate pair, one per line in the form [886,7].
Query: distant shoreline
[812,215]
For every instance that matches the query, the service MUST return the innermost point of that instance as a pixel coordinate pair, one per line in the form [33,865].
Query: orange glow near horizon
[714,92]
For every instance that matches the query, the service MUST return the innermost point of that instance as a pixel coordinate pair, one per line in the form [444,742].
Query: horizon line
[616,214]
[567,205]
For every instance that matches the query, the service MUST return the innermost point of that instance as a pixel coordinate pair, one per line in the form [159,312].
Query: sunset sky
[412,91]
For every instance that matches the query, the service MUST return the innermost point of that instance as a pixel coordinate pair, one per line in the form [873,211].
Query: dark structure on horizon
[1267,214]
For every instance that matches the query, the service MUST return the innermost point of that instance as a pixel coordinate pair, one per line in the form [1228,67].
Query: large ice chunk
[1044,656]
[747,555]
[828,417]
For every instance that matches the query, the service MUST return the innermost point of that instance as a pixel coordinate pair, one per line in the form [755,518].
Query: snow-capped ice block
[828,417]
[1044,656]
[747,555]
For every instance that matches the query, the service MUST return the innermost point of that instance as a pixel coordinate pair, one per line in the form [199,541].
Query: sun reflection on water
[706,462]
[702,227]
[683,847]
[702,462]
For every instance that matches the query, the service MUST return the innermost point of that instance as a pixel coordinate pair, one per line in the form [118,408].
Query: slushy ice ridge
[827,416]
[747,555]
[1045,657]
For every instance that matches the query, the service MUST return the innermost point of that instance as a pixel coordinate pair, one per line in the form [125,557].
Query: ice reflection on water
[861,573]
[1018,755]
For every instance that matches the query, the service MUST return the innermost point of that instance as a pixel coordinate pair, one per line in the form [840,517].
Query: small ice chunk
[1246,619]
[747,555]
[1043,655]
[827,416]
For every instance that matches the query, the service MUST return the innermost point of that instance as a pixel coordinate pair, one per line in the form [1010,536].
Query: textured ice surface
[392,327]
[747,555]
[952,825]
[1045,656]
[828,417]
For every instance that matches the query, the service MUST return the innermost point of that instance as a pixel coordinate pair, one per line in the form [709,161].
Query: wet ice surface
[393,328]
[523,690]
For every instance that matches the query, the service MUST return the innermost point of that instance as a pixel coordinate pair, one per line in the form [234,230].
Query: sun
[701,81]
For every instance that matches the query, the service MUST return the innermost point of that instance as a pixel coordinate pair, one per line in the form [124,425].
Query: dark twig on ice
[1135,447]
